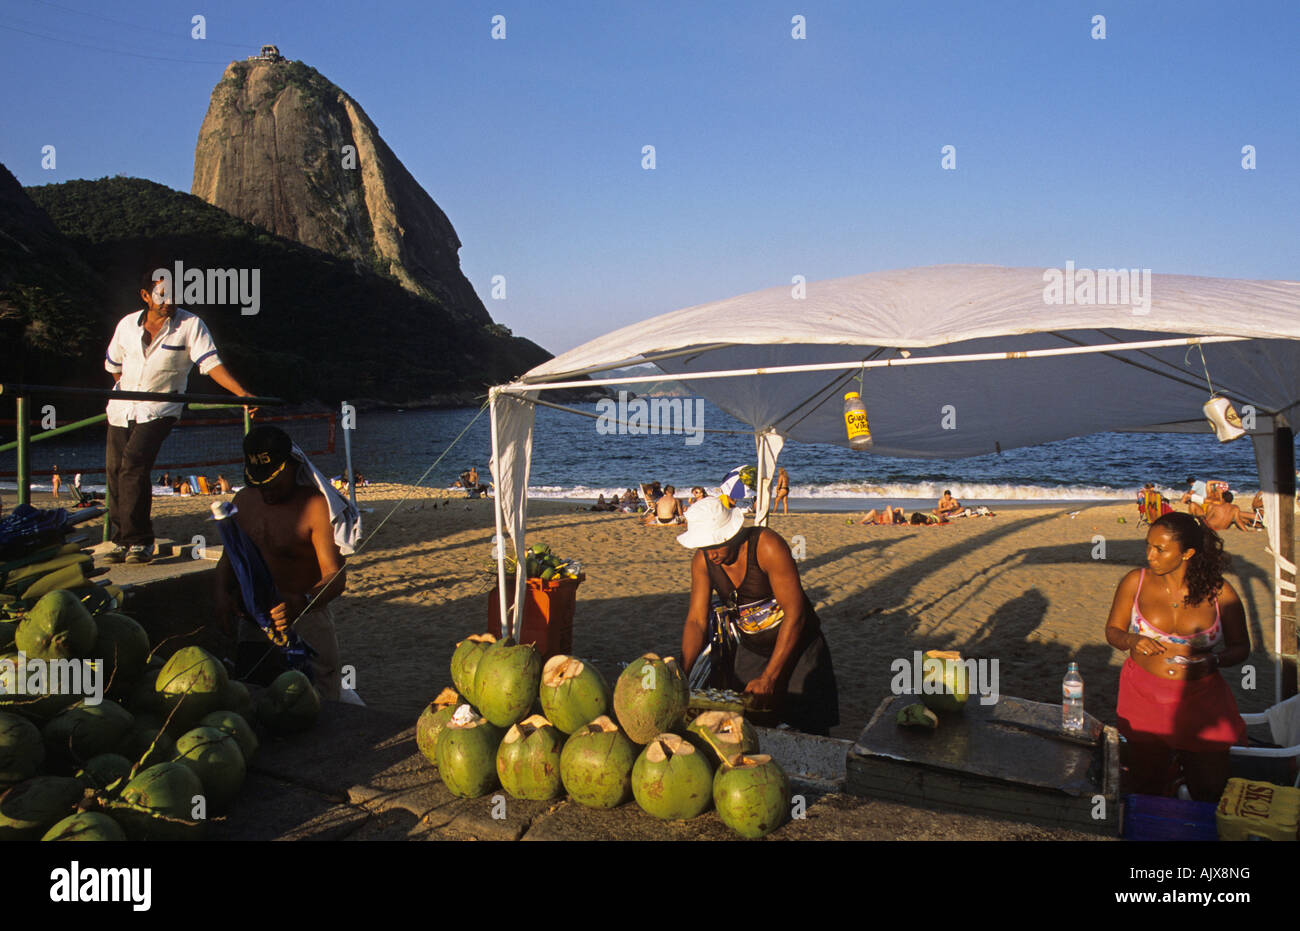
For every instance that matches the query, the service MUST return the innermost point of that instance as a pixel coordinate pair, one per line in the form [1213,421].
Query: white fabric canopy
[897,321]
[968,408]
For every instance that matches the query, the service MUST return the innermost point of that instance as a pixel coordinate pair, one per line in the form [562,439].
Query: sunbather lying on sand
[886,515]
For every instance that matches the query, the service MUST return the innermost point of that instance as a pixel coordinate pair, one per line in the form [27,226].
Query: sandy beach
[1022,588]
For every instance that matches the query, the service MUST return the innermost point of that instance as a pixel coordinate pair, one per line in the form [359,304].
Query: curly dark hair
[1206,567]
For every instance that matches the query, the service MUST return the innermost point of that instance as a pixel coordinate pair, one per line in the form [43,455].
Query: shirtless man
[947,505]
[290,524]
[1220,515]
[667,509]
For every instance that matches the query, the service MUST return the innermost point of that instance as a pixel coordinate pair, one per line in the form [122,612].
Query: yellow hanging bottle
[855,421]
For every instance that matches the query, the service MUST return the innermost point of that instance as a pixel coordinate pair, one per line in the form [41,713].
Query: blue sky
[775,157]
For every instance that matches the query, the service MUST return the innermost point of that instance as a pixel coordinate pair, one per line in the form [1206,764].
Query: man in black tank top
[781,658]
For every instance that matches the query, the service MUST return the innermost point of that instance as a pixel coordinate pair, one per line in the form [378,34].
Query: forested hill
[326,328]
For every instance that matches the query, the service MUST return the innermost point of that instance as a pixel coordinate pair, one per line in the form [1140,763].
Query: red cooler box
[548,613]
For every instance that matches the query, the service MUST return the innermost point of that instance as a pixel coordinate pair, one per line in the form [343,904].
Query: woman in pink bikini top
[1179,618]
[1206,641]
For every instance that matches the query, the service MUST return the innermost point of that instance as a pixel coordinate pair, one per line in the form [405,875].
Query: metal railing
[22,393]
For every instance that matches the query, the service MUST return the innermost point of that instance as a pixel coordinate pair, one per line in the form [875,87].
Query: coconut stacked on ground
[133,764]
[481,734]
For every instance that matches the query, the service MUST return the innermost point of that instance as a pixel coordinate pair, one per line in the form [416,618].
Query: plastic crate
[1251,810]
[1154,817]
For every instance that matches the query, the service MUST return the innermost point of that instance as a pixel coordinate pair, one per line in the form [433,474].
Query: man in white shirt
[152,350]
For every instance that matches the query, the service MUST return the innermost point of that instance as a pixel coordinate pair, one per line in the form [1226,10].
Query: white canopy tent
[960,360]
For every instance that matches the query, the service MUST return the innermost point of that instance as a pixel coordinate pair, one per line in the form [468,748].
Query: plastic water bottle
[1072,699]
[855,421]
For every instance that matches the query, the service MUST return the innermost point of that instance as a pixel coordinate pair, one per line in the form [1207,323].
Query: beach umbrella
[257,589]
[733,486]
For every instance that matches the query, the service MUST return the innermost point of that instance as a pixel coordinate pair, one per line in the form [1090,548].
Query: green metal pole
[66,428]
[107,507]
[248,421]
[24,460]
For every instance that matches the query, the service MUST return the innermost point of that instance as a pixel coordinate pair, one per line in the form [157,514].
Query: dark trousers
[129,459]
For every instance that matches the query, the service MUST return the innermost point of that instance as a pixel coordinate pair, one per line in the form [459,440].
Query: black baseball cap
[267,450]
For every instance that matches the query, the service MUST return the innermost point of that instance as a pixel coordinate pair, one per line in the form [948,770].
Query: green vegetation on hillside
[326,330]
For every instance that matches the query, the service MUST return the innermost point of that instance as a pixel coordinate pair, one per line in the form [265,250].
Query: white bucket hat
[709,522]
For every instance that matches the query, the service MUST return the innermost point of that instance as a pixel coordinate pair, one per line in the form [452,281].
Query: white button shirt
[163,365]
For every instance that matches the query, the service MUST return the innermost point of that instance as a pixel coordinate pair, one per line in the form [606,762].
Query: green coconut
[44,687]
[464,664]
[528,760]
[596,764]
[721,735]
[671,779]
[144,697]
[147,744]
[237,727]
[916,715]
[432,720]
[159,804]
[21,750]
[944,683]
[572,693]
[650,698]
[31,808]
[84,730]
[101,772]
[86,825]
[237,699]
[289,704]
[30,695]
[57,627]
[8,631]
[752,794]
[506,681]
[467,753]
[216,759]
[191,685]
[123,647]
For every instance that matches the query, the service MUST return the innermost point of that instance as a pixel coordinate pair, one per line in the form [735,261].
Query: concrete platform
[358,776]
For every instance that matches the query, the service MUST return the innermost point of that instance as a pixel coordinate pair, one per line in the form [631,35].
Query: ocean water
[571,460]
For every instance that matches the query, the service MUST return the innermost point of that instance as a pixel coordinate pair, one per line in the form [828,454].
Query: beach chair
[203,485]
[1151,506]
[1283,720]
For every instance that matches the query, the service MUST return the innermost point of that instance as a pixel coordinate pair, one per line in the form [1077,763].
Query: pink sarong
[1199,715]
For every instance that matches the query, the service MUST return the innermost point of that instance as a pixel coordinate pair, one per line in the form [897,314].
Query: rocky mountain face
[285,149]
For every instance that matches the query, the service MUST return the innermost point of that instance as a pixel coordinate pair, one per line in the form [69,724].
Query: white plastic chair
[1283,721]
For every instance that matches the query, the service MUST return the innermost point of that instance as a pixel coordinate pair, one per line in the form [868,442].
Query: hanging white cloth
[345,519]
[512,456]
[769,444]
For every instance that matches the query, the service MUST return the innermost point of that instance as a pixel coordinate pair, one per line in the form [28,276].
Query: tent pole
[500,518]
[762,494]
[1285,575]
[517,387]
